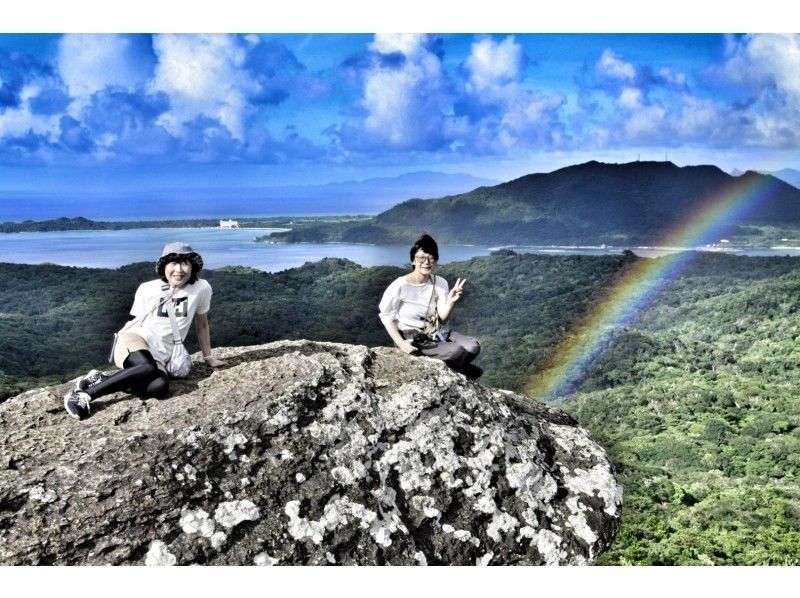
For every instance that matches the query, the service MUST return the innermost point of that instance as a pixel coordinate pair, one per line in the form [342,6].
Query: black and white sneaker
[76,402]
[92,378]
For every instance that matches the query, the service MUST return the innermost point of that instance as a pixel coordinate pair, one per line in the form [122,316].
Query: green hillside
[698,403]
[592,203]
[518,305]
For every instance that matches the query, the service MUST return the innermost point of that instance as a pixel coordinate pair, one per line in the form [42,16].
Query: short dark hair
[426,244]
[162,266]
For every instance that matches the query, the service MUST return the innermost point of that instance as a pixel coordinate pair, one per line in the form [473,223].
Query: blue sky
[96,112]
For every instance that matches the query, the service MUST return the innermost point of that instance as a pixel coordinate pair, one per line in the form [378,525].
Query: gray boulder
[304,453]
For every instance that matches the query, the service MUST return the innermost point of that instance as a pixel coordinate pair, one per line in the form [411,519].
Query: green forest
[696,402]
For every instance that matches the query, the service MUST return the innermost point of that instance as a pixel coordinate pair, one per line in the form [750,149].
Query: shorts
[127,343]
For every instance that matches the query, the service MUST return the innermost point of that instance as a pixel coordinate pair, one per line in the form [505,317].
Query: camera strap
[432,321]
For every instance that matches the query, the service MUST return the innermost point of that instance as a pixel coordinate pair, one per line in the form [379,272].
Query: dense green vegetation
[593,203]
[697,403]
[699,408]
[519,306]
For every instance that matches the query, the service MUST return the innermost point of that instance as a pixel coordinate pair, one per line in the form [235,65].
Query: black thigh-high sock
[157,388]
[139,370]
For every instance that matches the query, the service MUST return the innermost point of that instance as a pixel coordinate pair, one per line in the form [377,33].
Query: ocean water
[235,247]
[219,247]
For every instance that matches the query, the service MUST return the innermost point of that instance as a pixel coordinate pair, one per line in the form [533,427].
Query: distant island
[81,223]
[631,204]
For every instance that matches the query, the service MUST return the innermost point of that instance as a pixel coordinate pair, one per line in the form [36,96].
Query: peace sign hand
[455,293]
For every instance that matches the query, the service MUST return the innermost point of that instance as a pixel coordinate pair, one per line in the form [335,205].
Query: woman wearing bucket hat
[162,309]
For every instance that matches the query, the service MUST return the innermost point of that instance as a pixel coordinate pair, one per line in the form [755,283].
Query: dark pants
[457,352]
[140,375]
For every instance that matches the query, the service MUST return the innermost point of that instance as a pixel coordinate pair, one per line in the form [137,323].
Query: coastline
[80,223]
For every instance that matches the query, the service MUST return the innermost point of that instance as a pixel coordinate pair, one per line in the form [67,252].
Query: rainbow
[642,282]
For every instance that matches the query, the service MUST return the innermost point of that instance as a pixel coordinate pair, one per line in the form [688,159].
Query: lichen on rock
[159,555]
[304,453]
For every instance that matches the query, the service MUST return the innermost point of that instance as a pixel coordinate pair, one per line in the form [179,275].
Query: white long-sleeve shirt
[411,304]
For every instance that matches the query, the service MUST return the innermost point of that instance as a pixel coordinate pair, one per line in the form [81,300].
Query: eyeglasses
[421,259]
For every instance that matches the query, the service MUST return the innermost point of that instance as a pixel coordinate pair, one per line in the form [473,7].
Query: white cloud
[767,67]
[532,118]
[29,91]
[203,75]
[647,122]
[20,120]
[492,65]
[672,76]
[405,103]
[613,66]
[630,98]
[90,63]
[408,44]
[766,58]
[698,118]
[517,116]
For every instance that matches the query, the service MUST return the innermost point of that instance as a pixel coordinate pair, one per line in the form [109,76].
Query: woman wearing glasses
[415,307]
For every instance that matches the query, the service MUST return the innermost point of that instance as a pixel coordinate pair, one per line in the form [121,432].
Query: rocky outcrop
[304,453]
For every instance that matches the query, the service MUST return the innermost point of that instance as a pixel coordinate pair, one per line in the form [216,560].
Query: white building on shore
[229,224]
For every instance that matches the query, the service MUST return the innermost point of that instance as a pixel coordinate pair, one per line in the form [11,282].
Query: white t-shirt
[410,304]
[155,327]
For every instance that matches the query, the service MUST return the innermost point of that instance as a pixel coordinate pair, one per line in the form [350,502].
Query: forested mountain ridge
[593,203]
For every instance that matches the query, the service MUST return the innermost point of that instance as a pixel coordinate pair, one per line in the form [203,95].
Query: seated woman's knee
[469,343]
[473,347]
[158,388]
